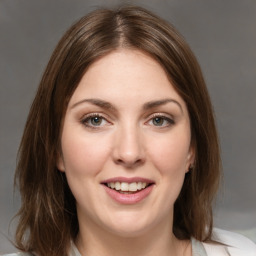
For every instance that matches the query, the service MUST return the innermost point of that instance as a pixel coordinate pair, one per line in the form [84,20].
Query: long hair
[47,217]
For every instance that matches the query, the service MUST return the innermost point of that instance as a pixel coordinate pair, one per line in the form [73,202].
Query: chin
[129,231]
[130,226]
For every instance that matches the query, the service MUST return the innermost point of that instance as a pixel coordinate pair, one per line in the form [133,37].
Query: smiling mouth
[127,188]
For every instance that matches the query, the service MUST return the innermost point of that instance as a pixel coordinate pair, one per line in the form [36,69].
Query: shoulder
[229,243]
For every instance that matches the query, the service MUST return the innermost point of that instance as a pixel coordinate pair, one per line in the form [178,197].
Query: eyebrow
[97,102]
[148,105]
[157,103]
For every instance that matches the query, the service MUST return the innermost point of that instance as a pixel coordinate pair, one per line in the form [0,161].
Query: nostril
[119,161]
[128,150]
[129,163]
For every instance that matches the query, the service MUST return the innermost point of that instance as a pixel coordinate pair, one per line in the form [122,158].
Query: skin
[130,138]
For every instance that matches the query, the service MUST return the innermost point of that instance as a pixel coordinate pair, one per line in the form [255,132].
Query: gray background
[221,33]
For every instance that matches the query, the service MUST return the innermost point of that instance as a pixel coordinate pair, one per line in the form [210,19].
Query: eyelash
[85,120]
[164,118]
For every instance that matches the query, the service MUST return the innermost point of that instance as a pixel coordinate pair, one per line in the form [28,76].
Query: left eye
[161,121]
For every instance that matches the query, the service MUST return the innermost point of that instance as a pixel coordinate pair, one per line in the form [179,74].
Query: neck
[158,241]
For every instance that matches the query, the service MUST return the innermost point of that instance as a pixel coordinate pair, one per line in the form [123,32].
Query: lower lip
[128,198]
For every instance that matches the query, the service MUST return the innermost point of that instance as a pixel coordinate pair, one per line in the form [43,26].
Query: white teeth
[125,186]
[117,186]
[139,185]
[133,186]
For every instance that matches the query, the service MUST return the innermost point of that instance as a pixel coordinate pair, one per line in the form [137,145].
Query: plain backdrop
[222,35]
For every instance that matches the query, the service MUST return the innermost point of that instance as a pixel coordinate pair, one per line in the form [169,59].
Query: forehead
[126,75]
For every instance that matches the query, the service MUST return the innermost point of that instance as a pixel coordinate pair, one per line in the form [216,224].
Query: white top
[233,244]
[227,244]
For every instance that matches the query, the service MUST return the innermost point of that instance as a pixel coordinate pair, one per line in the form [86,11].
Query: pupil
[96,120]
[158,121]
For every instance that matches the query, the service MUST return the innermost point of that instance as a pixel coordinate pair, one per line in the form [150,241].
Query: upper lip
[128,180]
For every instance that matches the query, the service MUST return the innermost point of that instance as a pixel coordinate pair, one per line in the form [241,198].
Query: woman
[120,153]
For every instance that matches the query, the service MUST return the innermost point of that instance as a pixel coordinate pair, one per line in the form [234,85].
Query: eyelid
[86,117]
[169,118]
[161,114]
[92,115]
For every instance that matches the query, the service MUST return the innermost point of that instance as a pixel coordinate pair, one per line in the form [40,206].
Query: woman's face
[125,145]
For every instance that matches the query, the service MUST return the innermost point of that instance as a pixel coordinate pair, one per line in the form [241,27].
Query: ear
[60,163]
[190,158]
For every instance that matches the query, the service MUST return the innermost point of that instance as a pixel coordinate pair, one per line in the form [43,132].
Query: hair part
[47,217]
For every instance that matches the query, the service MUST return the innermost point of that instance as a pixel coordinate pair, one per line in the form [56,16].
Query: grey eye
[158,121]
[96,120]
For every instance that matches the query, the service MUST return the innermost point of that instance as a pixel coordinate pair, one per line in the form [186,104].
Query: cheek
[84,155]
[170,157]
[170,154]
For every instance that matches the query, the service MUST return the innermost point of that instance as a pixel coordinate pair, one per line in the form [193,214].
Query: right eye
[94,121]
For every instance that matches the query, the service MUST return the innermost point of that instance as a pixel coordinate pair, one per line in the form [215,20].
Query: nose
[128,150]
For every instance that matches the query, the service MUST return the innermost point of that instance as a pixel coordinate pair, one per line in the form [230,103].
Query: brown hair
[47,217]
